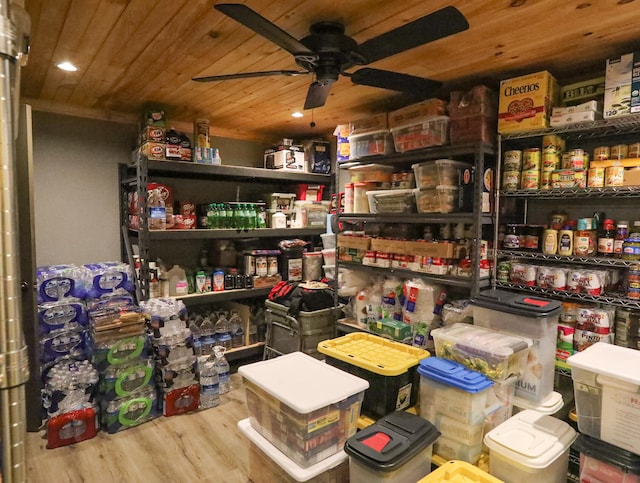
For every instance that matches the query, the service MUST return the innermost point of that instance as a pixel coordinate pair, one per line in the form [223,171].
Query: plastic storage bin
[432,131]
[606,384]
[454,398]
[441,172]
[377,173]
[267,464]
[392,201]
[602,462]
[396,448]
[496,354]
[441,199]
[390,367]
[530,446]
[370,144]
[304,407]
[459,472]
[525,316]
[328,241]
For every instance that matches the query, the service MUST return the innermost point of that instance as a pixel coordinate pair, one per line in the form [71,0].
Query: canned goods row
[563,178]
[619,151]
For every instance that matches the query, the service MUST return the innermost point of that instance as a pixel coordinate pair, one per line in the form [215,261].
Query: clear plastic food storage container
[370,144]
[441,172]
[442,199]
[377,173]
[433,131]
[392,201]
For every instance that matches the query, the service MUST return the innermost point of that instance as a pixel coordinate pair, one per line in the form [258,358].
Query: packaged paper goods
[621,90]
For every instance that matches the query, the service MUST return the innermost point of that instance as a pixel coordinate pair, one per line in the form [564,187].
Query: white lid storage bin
[606,385]
[551,405]
[530,447]
[370,144]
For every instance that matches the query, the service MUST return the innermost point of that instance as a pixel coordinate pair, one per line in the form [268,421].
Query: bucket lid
[550,405]
[625,460]
[531,439]
[517,304]
[392,441]
[454,374]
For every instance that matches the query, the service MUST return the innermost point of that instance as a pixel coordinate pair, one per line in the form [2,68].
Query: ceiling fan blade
[394,81]
[247,75]
[251,19]
[317,95]
[439,24]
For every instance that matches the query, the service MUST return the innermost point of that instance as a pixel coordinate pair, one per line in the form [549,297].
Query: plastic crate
[392,201]
[370,144]
[371,173]
[429,132]
[441,172]
[441,199]
[390,367]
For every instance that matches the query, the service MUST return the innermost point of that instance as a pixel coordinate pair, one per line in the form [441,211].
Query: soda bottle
[172,150]
[209,385]
[222,366]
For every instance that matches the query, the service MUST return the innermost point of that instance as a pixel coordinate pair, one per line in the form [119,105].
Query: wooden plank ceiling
[131,53]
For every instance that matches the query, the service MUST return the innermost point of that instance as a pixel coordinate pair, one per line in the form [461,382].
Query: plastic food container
[525,316]
[459,472]
[606,385]
[329,271]
[329,256]
[370,144]
[551,405]
[496,354]
[441,199]
[328,241]
[530,446]
[600,461]
[441,172]
[304,407]
[433,131]
[392,201]
[280,201]
[360,199]
[268,464]
[499,405]
[396,448]
[376,173]
[390,367]
[454,398]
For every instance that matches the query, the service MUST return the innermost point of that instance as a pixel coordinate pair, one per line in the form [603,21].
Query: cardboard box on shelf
[580,92]
[153,134]
[574,118]
[631,177]
[375,122]
[286,158]
[585,106]
[389,246]
[358,242]
[317,156]
[153,150]
[621,92]
[435,249]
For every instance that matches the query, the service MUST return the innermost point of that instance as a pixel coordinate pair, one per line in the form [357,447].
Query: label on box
[582,91]
[620,423]
[622,85]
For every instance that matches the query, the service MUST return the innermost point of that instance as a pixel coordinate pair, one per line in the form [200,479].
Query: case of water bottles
[119,381]
[62,315]
[127,412]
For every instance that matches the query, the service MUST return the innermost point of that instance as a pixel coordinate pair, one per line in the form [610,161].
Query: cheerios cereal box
[526,102]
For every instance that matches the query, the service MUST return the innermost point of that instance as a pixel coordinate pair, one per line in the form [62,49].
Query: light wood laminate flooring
[203,446]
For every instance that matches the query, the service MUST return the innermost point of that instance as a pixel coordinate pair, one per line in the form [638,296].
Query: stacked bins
[287,334]
[390,367]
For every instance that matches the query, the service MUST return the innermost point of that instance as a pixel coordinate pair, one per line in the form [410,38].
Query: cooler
[606,384]
[459,472]
[530,447]
[600,461]
[454,398]
[525,316]
[267,464]
[396,448]
[304,407]
[390,367]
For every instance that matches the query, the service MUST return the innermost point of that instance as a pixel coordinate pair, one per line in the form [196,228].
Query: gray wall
[76,193]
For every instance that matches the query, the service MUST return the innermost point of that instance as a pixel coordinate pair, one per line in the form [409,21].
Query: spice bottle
[606,238]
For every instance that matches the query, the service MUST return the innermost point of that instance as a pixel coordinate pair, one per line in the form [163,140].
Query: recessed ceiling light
[297,114]
[68,66]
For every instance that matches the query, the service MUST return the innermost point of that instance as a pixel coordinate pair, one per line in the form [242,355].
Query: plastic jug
[177,282]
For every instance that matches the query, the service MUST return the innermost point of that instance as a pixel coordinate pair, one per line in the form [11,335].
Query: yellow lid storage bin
[459,472]
[390,367]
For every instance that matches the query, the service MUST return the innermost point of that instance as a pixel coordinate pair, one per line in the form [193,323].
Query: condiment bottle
[622,232]
[606,238]
[550,242]
[565,241]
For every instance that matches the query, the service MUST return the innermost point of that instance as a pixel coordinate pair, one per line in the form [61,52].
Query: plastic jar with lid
[631,248]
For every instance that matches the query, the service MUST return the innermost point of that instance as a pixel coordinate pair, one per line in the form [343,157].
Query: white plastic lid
[531,439]
[302,382]
[614,361]
[551,404]
[292,469]
[370,133]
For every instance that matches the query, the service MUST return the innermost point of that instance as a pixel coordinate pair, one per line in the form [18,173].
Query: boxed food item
[622,86]
[441,172]
[317,156]
[441,199]
[391,328]
[368,124]
[152,134]
[416,113]
[574,118]
[343,151]
[370,144]
[479,100]
[153,150]
[432,131]
[290,158]
[304,407]
[475,128]
[526,102]
[573,109]
[579,92]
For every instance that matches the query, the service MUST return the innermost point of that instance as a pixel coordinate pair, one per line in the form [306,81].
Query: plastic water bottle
[207,337]
[222,366]
[223,332]
[209,385]
[237,331]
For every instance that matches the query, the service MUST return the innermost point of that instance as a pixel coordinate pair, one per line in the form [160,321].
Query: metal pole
[14,369]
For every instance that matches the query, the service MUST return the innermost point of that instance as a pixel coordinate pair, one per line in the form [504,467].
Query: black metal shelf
[614,262]
[206,234]
[224,295]
[414,218]
[568,193]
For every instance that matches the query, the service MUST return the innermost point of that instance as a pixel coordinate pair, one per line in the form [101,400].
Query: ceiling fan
[327,52]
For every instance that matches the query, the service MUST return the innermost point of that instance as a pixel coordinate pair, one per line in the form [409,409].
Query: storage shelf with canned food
[224,295]
[198,234]
[419,218]
[609,192]
[614,262]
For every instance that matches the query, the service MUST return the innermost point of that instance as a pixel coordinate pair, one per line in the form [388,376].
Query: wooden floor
[204,446]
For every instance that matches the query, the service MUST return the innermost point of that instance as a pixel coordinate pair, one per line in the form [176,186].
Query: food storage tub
[268,464]
[454,398]
[606,384]
[494,353]
[329,256]
[459,472]
[304,407]
[499,405]
[377,173]
[390,367]
[603,462]
[396,448]
[329,271]
[529,447]
[370,144]
[525,316]
[328,241]
[441,172]
[551,405]
[441,199]
[432,131]
[392,201]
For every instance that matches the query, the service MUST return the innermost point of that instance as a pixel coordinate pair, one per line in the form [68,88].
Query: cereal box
[526,102]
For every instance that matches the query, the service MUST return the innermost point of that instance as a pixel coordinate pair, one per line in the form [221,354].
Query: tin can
[503,270]
[545,180]
[565,160]
[601,153]
[272,266]
[511,180]
[201,133]
[550,161]
[576,159]
[261,266]
[512,160]
[614,176]
[530,179]
[634,150]
[619,151]
[531,159]
[552,143]
[249,265]
[595,177]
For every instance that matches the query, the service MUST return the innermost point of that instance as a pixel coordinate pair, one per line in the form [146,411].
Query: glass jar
[631,248]
[512,237]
